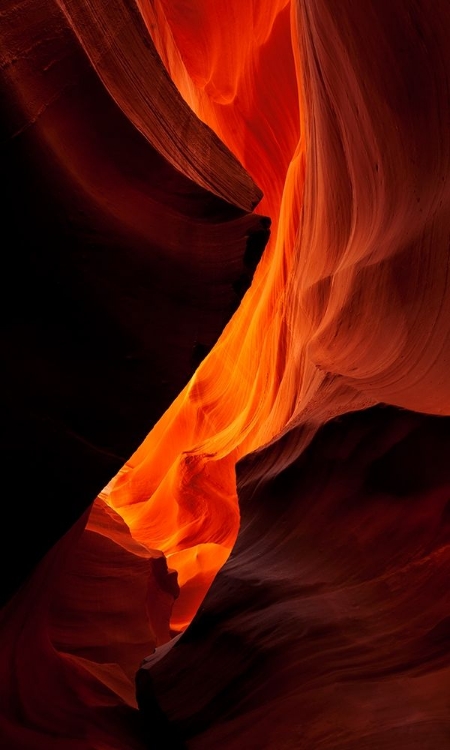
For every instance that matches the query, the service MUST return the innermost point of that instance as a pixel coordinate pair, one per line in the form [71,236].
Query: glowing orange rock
[340,115]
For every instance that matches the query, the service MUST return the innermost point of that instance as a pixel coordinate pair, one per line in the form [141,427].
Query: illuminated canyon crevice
[186,378]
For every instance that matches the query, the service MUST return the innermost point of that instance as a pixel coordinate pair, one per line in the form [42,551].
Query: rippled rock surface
[226,346]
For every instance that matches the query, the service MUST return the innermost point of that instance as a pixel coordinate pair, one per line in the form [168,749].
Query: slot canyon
[226,389]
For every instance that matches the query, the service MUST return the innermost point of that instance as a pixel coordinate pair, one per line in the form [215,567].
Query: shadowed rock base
[312,635]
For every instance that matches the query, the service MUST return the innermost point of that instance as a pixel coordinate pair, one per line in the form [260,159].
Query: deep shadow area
[314,620]
[114,288]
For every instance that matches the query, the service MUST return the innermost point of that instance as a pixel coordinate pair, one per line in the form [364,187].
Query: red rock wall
[186,379]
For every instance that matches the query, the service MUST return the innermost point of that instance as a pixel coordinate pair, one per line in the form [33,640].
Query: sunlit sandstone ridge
[340,114]
[359,252]
[180,495]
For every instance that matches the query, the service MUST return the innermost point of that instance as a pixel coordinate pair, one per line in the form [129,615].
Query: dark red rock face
[225,436]
[119,275]
[328,626]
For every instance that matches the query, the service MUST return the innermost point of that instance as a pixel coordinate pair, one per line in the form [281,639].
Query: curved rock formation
[175,394]
[120,272]
[328,626]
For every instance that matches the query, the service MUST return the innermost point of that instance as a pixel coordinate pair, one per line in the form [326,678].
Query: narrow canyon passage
[226,345]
